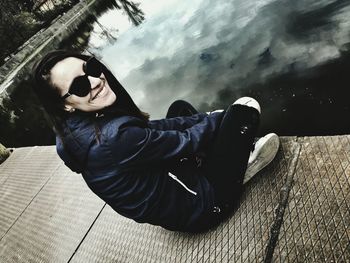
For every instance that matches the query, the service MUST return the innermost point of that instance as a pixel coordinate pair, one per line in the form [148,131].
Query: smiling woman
[82,84]
[66,81]
[183,173]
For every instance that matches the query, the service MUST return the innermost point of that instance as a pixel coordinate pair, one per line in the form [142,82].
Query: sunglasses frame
[88,71]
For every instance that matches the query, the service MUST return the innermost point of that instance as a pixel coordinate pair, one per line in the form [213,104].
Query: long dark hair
[54,105]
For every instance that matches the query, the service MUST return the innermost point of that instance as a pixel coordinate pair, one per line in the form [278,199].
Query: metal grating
[7,168]
[48,214]
[54,223]
[49,217]
[250,226]
[316,221]
[22,176]
[243,238]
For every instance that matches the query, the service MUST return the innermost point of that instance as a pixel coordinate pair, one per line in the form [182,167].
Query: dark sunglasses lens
[93,67]
[80,86]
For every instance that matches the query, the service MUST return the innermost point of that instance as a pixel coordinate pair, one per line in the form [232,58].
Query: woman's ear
[69,108]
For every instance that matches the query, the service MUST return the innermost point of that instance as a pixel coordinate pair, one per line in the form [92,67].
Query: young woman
[184,172]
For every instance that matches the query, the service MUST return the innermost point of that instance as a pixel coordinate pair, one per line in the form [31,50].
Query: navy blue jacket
[140,169]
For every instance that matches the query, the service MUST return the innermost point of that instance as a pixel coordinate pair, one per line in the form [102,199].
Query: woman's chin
[104,101]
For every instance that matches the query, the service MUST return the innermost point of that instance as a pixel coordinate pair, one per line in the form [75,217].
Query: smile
[100,92]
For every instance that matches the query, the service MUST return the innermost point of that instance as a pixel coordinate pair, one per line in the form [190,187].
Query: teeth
[99,93]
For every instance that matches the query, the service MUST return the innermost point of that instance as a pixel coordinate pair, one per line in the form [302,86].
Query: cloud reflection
[212,52]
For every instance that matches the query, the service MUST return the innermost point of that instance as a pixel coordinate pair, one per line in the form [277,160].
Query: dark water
[292,56]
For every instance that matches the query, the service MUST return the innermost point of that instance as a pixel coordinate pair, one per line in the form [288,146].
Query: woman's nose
[94,82]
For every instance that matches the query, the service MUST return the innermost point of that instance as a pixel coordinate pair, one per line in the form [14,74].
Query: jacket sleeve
[138,146]
[176,123]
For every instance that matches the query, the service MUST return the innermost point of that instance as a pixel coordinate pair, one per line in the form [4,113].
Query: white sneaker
[265,150]
[248,101]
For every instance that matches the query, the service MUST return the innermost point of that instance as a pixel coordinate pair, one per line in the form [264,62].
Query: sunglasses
[81,85]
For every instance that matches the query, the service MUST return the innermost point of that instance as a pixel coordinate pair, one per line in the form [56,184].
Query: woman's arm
[137,146]
[176,123]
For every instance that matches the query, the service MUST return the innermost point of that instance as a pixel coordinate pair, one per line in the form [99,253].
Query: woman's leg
[227,161]
[180,108]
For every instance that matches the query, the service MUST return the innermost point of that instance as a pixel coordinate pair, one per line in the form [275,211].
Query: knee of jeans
[249,124]
[245,114]
[248,101]
[179,104]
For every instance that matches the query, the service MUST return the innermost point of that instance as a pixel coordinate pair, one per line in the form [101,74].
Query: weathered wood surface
[296,210]
[4,153]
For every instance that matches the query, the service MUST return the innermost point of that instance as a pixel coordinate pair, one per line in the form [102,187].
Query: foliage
[21,19]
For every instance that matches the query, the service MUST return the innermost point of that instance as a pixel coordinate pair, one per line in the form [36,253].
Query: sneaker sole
[265,156]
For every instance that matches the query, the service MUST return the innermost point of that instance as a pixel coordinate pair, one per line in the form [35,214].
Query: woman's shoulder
[111,126]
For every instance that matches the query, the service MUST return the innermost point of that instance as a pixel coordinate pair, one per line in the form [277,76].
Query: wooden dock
[296,210]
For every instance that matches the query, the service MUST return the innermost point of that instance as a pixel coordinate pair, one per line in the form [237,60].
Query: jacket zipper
[179,181]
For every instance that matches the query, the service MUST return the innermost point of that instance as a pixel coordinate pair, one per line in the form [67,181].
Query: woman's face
[100,95]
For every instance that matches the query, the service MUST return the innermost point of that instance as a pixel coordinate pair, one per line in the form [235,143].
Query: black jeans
[180,108]
[227,157]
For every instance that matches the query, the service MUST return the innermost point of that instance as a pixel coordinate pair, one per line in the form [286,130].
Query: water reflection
[111,19]
[292,56]
[22,121]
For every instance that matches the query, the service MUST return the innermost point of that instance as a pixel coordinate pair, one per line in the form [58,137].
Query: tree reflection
[80,39]
[132,9]
[107,33]
[21,118]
